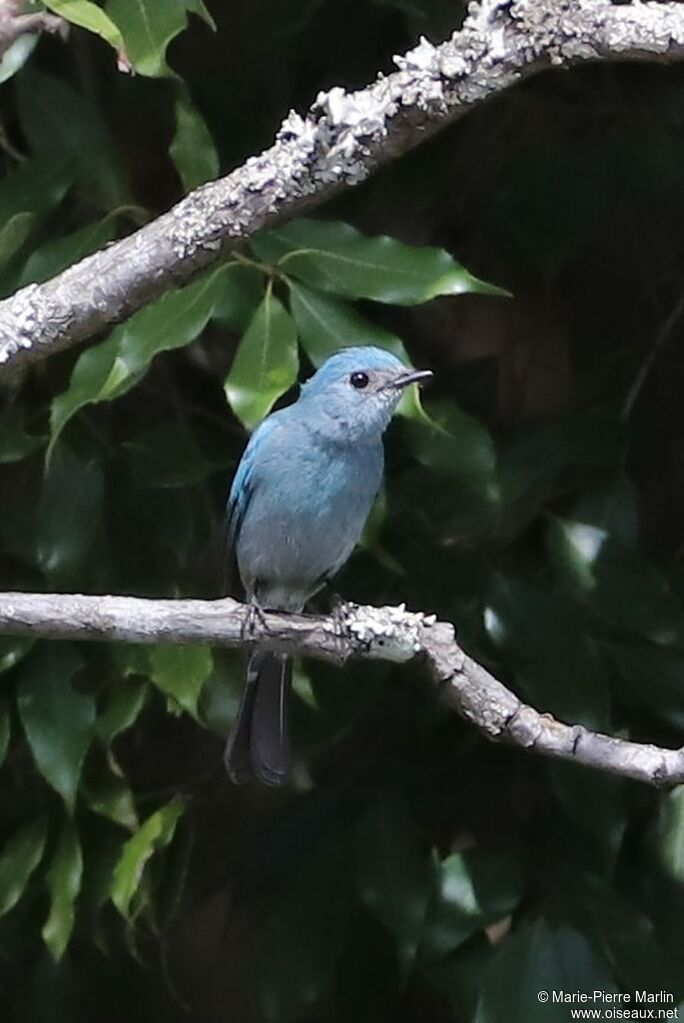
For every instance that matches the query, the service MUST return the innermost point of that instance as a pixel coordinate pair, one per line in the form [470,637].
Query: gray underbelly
[284,557]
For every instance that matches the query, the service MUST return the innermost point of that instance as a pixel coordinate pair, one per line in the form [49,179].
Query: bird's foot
[338,612]
[254,623]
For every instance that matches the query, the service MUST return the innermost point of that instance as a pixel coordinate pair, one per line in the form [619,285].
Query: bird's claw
[338,613]
[254,622]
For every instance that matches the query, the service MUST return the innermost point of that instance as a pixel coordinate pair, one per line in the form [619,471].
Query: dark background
[412,871]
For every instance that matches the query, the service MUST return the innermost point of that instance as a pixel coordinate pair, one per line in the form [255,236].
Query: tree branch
[385,633]
[340,141]
[15,22]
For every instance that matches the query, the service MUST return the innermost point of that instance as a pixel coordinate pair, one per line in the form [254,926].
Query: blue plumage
[297,507]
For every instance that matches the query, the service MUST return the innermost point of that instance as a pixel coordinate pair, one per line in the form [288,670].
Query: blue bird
[297,507]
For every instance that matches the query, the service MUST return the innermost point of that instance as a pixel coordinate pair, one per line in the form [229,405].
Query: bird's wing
[246,477]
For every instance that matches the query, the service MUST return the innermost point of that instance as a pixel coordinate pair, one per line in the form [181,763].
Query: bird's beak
[414,376]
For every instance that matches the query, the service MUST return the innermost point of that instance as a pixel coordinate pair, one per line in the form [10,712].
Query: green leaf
[89,16]
[180,672]
[19,858]
[64,884]
[395,875]
[265,363]
[327,324]
[57,719]
[241,292]
[332,256]
[5,730]
[109,796]
[192,149]
[615,581]
[13,234]
[64,126]
[111,369]
[126,700]
[69,515]
[539,958]
[473,890]
[456,444]
[154,834]
[148,27]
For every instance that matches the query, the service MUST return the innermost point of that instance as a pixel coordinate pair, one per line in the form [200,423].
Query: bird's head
[360,388]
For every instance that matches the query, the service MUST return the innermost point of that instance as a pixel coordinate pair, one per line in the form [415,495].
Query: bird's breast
[307,514]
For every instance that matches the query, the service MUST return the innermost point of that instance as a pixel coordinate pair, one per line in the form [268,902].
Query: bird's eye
[359,380]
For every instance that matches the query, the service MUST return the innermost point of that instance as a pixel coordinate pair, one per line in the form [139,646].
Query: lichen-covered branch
[386,633]
[338,143]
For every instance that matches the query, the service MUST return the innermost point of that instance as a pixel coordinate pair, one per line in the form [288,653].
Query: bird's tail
[258,745]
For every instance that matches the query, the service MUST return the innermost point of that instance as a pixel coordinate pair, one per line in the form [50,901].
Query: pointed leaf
[89,16]
[154,834]
[148,27]
[57,719]
[125,702]
[334,257]
[326,324]
[473,890]
[64,884]
[192,149]
[110,369]
[109,796]
[242,290]
[265,364]
[180,671]
[20,856]
[457,445]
